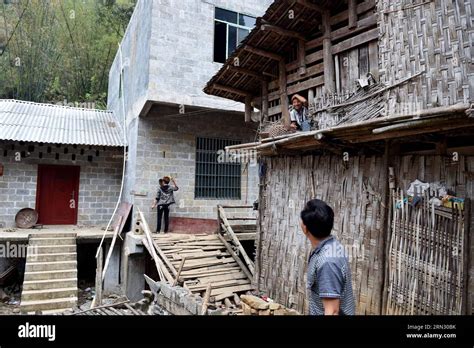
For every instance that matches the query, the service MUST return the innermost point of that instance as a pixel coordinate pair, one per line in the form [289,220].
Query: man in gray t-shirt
[328,275]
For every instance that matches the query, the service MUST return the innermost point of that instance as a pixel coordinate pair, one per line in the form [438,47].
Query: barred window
[216,179]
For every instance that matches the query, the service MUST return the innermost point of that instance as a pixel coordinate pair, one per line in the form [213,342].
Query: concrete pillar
[112,276]
[133,267]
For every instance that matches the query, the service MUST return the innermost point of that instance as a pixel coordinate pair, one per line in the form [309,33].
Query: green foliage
[60,50]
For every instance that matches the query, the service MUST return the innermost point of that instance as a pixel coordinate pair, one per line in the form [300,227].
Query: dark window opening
[230,28]
[215,177]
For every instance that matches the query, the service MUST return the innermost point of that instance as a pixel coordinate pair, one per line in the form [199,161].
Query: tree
[60,50]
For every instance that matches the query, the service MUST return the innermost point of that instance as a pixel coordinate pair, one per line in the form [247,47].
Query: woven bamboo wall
[435,37]
[457,176]
[353,189]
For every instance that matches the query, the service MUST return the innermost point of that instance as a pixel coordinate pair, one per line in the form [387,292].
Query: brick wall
[167,145]
[98,188]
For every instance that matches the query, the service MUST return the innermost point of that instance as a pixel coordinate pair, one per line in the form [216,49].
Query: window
[215,180]
[230,28]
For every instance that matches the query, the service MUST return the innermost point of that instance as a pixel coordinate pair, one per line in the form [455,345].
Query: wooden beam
[355,41]
[248,72]
[311,6]
[180,269]
[237,259]
[248,109]
[228,229]
[263,53]
[352,14]
[282,31]
[205,302]
[230,89]
[329,78]
[265,101]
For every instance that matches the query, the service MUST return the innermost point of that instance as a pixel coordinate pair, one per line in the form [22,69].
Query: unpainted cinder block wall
[99,184]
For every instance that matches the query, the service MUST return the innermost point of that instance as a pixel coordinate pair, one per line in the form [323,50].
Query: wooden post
[352,14]
[311,96]
[468,254]
[329,78]
[264,101]
[285,111]
[248,109]
[302,56]
[176,280]
[205,302]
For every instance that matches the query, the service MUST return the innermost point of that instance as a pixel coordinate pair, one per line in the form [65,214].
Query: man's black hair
[318,217]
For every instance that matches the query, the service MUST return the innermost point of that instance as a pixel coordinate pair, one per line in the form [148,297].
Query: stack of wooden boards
[205,265]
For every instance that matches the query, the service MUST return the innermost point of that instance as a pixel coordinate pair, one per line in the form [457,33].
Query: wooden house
[389,86]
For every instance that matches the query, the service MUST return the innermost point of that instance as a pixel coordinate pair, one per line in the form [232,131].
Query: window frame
[236,25]
[216,176]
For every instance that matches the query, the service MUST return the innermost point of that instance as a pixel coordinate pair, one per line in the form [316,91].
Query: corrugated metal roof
[55,124]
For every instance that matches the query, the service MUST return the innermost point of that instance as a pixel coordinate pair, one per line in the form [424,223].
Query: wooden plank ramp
[209,261]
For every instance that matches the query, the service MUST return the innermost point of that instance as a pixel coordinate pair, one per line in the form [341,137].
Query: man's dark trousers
[163,210]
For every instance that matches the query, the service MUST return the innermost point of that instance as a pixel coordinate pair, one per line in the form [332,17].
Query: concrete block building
[170,50]
[64,162]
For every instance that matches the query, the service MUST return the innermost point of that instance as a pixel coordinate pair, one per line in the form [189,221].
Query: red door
[57,194]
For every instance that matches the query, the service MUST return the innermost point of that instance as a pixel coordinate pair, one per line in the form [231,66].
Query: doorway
[57,194]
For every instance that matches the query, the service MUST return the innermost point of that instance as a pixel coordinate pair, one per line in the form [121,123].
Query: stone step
[52,241]
[51,249]
[52,311]
[52,257]
[49,284]
[50,266]
[48,305]
[43,275]
[51,235]
[48,294]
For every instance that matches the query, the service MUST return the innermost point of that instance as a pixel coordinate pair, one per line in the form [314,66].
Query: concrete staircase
[50,284]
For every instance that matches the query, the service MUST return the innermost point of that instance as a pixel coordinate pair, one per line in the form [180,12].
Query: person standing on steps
[164,198]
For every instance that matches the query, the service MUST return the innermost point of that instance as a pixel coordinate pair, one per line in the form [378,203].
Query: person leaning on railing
[299,115]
